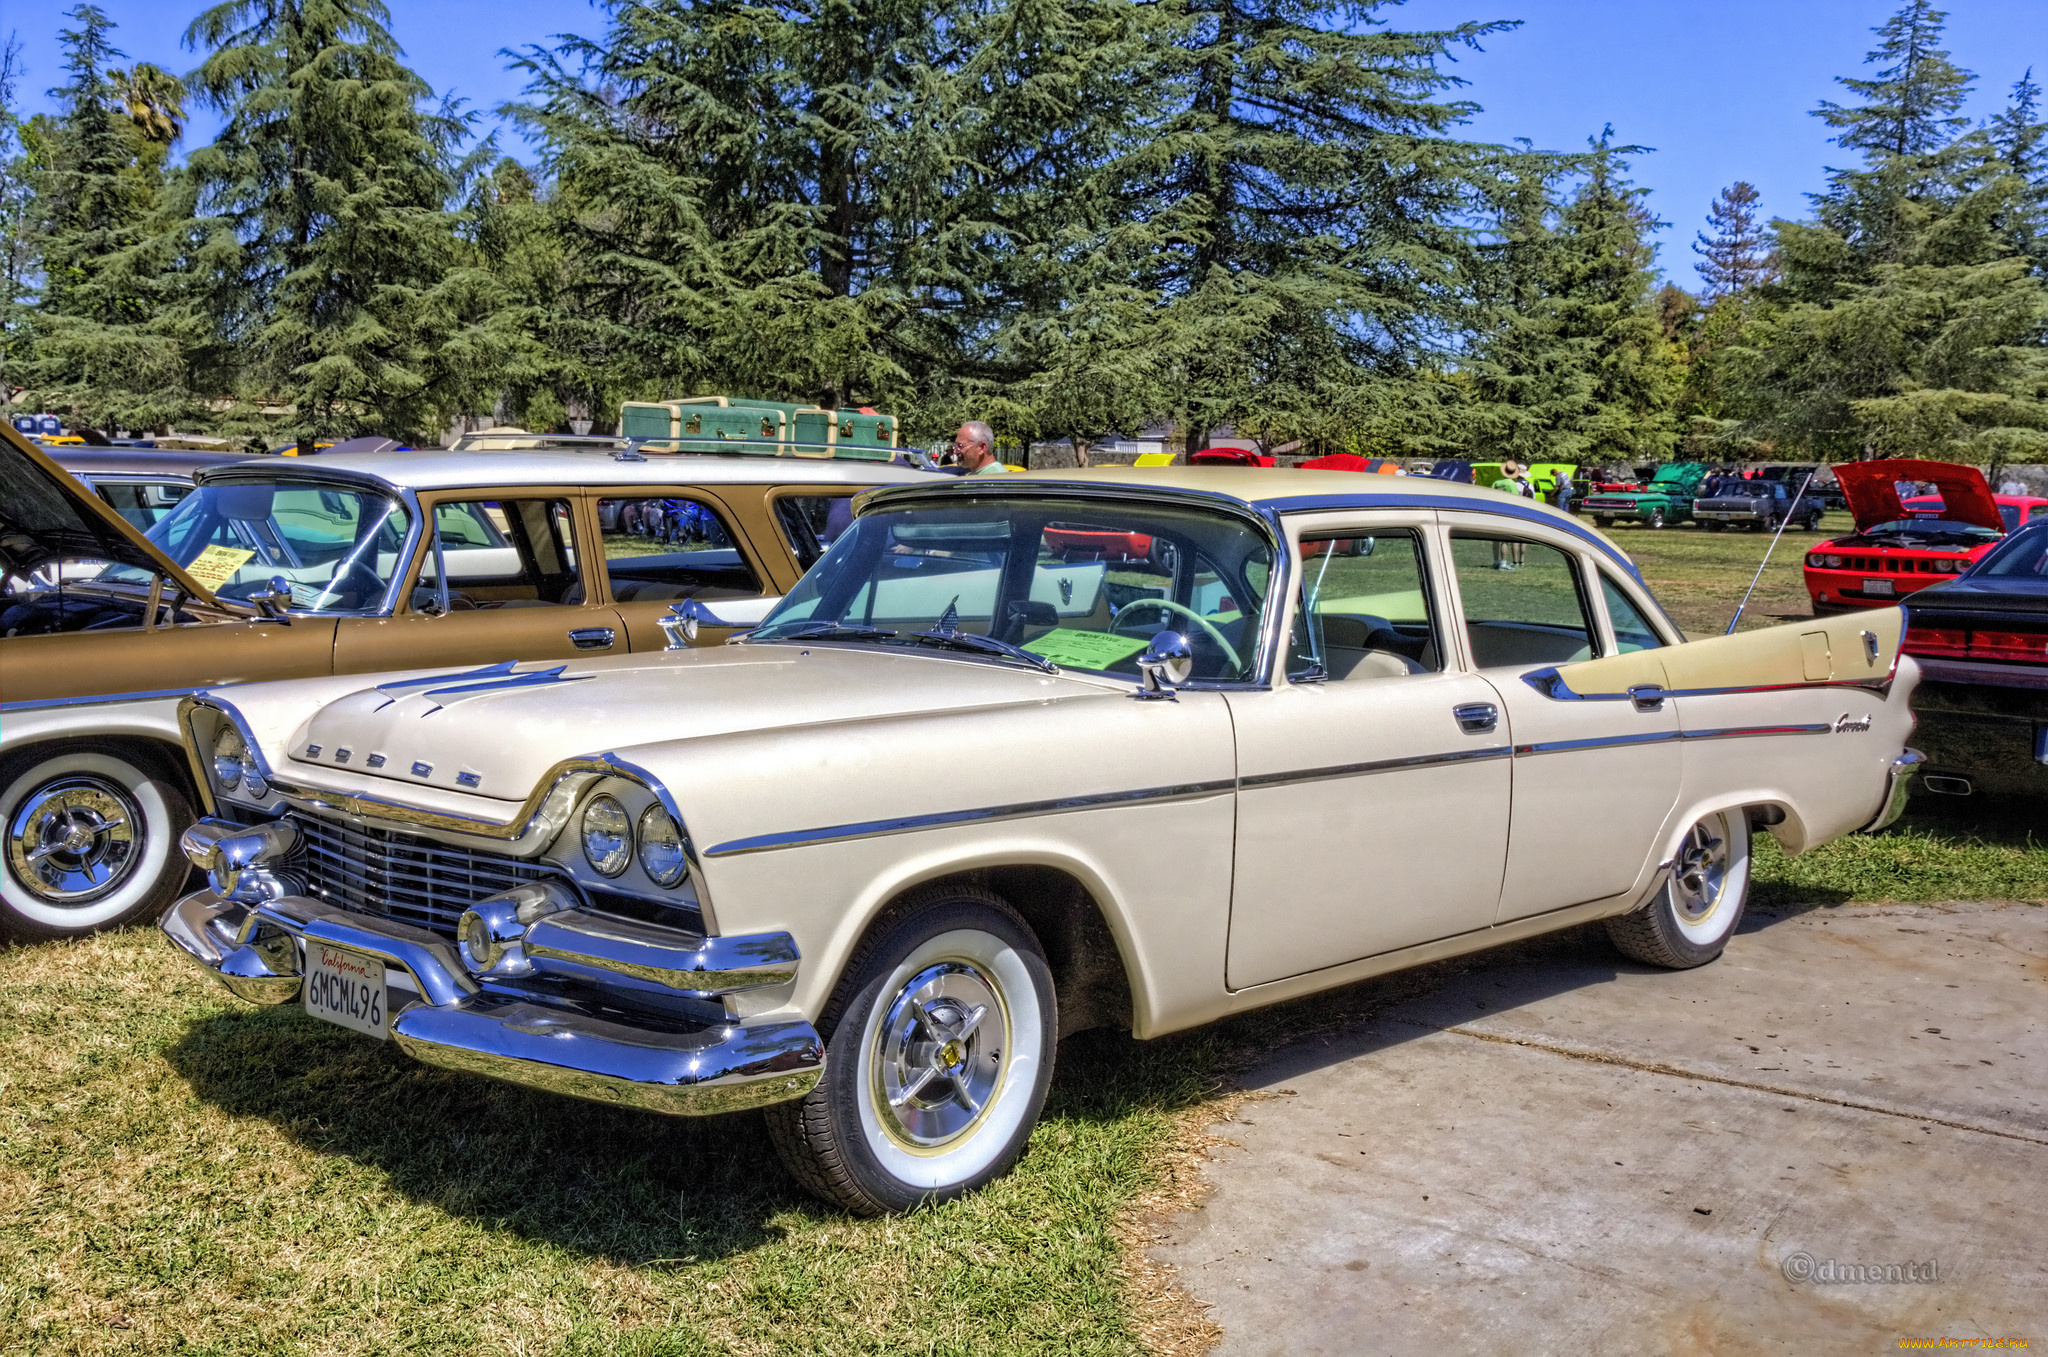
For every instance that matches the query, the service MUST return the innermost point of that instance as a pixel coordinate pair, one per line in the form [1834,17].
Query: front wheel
[1654,519]
[91,840]
[1690,920]
[939,1051]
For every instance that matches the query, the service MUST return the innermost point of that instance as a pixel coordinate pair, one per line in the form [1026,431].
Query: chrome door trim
[1342,770]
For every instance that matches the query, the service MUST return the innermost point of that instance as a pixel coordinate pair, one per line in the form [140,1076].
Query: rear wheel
[939,1051]
[1690,920]
[1603,521]
[91,840]
[1715,525]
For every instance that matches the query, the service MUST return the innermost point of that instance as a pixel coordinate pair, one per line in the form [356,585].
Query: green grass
[183,1172]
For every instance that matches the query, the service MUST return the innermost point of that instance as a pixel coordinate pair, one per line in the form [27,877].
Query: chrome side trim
[910,824]
[1598,742]
[1745,732]
[52,703]
[1898,787]
[1552,685]
[1290,778]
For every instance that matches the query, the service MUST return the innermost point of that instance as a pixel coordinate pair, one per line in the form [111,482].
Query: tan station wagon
[1023,756]
[286,567]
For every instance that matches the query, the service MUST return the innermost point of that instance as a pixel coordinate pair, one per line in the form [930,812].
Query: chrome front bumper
[443,1017]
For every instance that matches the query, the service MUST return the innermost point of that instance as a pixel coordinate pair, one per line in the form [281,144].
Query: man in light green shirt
[974,448]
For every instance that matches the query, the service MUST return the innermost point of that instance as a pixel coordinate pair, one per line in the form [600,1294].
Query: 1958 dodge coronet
[1021,757]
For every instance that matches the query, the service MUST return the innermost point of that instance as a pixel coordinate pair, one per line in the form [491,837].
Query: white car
[1023,756]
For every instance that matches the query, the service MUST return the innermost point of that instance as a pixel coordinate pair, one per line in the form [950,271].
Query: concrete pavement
[1559,1150]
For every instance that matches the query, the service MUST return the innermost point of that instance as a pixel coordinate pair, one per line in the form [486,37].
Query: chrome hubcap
[1701,875]
[939,1054]
[73,840]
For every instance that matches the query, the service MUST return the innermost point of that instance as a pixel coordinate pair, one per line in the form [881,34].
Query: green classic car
[1667,498]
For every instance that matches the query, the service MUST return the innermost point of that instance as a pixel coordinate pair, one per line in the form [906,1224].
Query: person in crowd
[1565,490]
[2012,485]
[974,448]
[1508,555]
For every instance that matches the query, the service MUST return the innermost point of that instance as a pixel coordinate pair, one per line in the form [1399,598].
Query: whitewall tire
[939,1050]
[1689,921]
[91,840]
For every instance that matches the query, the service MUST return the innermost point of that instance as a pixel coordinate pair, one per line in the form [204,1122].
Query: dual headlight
[609,838]
[234,766]
[1817,560]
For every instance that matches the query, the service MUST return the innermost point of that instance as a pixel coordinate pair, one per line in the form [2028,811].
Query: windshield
[1933,529]
[1082,584]
[337,547]
[2024,555]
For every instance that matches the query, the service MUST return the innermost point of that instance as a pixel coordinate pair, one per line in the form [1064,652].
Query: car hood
[495,732]
[1871,489]
[48,515]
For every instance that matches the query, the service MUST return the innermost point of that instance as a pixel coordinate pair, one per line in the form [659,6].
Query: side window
[142,503]
[1363,609]
[502,553]
[1631,630]
[1522,602]
[812,523]
[672,547]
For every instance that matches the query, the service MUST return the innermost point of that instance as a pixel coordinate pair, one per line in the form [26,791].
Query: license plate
[347,988]
[1878,587]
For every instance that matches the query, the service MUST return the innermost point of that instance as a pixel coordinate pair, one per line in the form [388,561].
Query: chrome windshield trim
[1260,513]
[910,824]
[1506,508]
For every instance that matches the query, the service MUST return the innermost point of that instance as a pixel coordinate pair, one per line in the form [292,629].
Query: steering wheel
[1168,605]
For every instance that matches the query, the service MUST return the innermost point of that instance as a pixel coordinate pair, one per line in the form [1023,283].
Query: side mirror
[683,621]
[275,600]
[1165,665]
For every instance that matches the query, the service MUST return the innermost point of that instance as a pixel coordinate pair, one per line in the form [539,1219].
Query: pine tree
[19,167]
[2019,139]
[1737,258]
[1580,363]
[1909,322]
[1320,265]
[325,229]
[100,351]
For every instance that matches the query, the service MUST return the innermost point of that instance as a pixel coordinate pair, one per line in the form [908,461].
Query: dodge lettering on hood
[1020,757]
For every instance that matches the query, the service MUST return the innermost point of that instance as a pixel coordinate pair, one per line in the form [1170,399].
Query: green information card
[1085,649]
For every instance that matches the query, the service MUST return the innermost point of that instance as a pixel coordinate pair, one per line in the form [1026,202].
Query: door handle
[1647,697]
[593,638]
[1476,718]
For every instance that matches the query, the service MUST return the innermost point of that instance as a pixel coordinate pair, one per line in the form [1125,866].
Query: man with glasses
[974,450]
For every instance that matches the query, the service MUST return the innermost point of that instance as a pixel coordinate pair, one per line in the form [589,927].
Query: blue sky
[1721,88]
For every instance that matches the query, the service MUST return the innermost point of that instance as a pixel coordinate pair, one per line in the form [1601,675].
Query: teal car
[1667,498]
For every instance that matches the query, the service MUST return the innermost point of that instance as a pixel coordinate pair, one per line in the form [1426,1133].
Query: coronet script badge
[1848,722]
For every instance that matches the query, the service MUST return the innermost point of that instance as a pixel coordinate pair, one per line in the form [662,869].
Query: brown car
[289,567]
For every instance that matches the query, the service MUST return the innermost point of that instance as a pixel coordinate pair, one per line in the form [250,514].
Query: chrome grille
[402,876]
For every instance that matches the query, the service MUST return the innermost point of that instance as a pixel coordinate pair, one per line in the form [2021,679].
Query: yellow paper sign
[1085,649]
[215,566]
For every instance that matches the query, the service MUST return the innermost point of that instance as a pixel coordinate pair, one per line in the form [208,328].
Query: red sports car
[1905,542]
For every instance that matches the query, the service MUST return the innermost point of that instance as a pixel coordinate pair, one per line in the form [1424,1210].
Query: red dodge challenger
[1906,542]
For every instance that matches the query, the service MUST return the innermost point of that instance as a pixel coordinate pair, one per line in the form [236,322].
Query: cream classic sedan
[1021,757]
